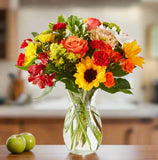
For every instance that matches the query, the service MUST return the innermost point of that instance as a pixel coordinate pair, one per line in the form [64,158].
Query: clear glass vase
[82,127]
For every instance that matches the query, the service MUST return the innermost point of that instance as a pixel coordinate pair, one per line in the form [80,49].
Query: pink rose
[92,23]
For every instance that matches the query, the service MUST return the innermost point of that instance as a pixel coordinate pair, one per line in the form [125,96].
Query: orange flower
[110,82]
[127,65]
[76,45]
[116,56]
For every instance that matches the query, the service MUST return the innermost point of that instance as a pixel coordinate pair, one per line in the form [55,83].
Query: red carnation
[35,69]
[101,58]
[42,80]
[21,59]
[98,44]
[92,23]
[59,26]
[44,58]
[24,43]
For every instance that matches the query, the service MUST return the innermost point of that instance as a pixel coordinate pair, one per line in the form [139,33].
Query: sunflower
[88,74]
[131,50]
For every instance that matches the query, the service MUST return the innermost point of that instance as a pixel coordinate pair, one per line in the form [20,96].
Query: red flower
[24,43]
[76,45]
[60,41]
[92,23]
[116,56]
[44,58]
[59,26]
[21,59]
[98,44]
[35,69]
[42,80]
[108,49]
[109,80]
[127,65]
[101,58]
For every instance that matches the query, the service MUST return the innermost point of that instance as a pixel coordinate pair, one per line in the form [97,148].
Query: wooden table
[105,152]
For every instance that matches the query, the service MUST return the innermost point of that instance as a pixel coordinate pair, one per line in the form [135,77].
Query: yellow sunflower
[131,51]
[88,74]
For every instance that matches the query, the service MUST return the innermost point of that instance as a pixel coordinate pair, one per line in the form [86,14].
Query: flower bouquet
[86,55]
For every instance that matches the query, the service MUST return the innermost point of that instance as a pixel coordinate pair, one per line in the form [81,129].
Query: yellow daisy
[88,74]
[131,50]
[30,52]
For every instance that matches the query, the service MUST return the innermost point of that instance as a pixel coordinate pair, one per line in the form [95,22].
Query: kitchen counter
[58,109]
[59,152]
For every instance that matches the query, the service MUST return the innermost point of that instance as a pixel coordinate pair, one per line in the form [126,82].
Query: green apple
[16,143]
[30,140]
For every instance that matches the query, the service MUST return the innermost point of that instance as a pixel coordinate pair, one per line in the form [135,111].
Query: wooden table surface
[105,152]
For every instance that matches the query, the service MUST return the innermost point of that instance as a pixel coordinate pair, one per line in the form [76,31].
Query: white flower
[121,37]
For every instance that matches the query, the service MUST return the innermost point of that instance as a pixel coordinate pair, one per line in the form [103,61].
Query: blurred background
[127,119]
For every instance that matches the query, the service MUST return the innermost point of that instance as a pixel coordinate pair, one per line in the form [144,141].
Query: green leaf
[113,90]
[39,50]
[121,83]
[68,33]
[69,84]
[111,25]
[34,34]
[50,68]
[76,26]
[118,72]
[61,18]
[47,31]
[50,25]
[25,68]
[118,48]
[46,91]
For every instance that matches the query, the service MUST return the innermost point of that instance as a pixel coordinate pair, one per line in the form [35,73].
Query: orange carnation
[127,65]
[110,82]
[116,56]
[76,45]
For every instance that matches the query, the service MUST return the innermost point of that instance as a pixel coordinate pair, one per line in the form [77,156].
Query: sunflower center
[90,75]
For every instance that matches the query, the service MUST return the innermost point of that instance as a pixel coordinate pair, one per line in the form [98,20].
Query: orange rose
[110,82]
[76,45]
[127,65]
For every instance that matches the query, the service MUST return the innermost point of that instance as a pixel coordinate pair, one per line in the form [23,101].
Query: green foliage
[25,68]
[47,31]
[69,84]
[34,34]
[39,50]
[50,25]
[61,18]
[46,91]
[117,71]
[50,68]
[121,85]
[111,25]
[76,27]
[118,48]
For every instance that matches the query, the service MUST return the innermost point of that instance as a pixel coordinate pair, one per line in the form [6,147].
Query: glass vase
[82,126]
